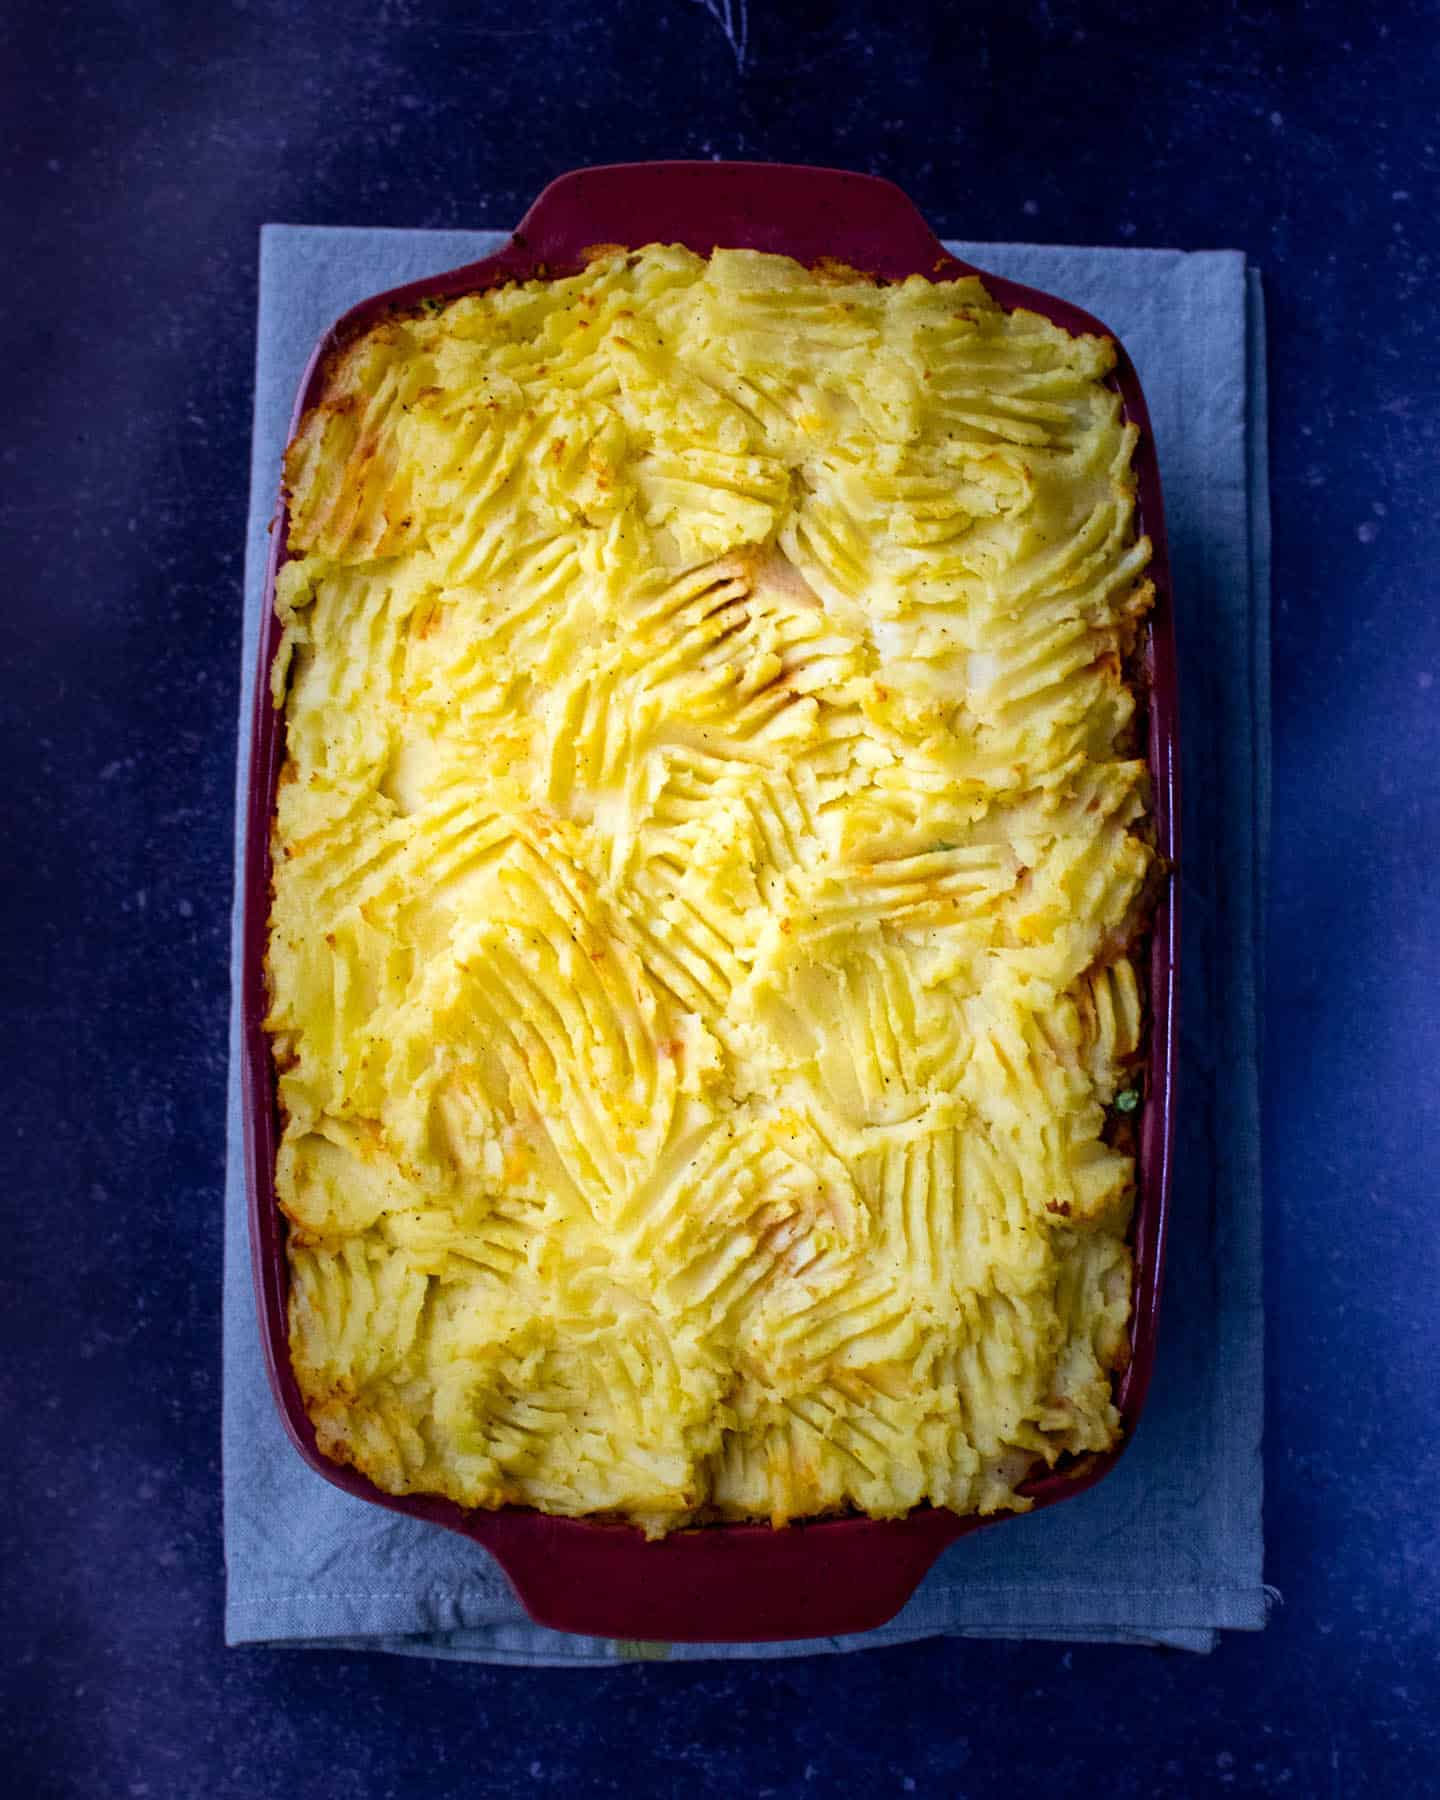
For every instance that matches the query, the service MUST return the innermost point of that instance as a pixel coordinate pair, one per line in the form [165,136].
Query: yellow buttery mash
[710,839]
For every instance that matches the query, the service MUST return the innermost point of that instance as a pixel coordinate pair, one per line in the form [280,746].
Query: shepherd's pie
[708,863]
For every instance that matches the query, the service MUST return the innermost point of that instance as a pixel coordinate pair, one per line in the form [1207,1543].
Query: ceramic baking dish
[721,1582]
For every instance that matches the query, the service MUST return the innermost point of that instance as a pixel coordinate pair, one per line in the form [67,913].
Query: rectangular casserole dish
[723,1582]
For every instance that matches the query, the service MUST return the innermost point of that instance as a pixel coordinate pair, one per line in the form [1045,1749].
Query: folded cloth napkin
[1166,1550]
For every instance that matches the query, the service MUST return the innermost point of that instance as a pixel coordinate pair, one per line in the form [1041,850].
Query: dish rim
[722,1582]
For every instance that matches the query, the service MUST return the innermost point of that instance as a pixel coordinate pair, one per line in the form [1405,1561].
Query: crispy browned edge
[1120,1129]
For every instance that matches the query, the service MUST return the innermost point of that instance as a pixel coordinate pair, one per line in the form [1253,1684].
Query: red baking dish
[730,1583]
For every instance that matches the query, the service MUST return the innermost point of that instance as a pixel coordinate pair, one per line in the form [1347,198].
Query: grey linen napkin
[1166,1550]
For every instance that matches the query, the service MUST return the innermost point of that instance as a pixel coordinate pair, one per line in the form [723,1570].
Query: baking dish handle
[747,1583]
[811,214]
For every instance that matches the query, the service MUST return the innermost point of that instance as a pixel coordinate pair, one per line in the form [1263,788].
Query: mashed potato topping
[710,840]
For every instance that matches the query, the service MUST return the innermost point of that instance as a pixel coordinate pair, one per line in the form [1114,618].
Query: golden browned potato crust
[706,869]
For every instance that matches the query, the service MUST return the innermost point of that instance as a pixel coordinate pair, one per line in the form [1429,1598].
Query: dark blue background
[142,146]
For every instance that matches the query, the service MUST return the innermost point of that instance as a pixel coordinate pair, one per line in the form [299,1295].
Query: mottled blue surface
[140,148]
